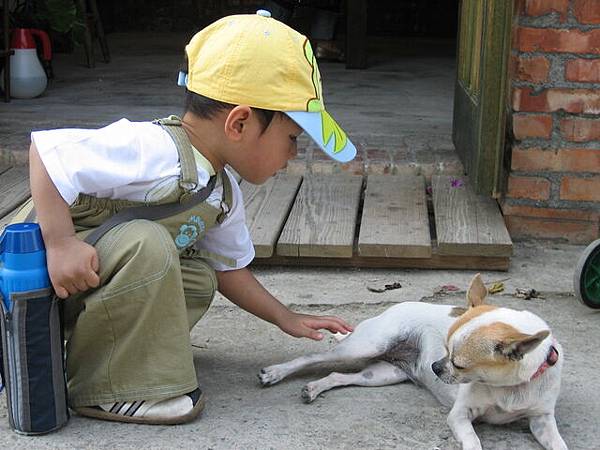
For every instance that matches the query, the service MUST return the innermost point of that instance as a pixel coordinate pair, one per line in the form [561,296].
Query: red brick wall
[554,183]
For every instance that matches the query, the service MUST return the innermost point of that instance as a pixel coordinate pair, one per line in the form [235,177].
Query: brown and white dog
[487,363]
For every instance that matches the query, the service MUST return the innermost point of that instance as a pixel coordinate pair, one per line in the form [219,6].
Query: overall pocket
[33,362]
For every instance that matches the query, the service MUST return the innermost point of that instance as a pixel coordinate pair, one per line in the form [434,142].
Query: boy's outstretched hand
[244,290]
[72,266]
[305,325]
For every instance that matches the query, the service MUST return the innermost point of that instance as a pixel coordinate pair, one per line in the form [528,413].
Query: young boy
[132,298]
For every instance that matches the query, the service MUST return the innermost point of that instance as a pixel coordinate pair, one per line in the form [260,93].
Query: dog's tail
[339,336]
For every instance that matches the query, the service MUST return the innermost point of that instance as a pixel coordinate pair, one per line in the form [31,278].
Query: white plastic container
[27,76]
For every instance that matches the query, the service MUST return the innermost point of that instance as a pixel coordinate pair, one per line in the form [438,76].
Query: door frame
[483,113]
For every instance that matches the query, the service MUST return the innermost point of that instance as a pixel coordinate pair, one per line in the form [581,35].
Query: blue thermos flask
[32,339]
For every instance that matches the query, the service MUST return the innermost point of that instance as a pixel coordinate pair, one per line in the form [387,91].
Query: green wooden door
[481,92]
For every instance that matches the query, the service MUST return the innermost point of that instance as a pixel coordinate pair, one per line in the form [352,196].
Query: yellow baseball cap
[255,60]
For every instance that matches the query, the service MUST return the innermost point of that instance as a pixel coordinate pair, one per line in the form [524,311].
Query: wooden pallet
[14,191]
[349,221]
[376,221]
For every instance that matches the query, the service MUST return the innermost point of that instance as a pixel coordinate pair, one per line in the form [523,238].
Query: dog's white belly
[411,336]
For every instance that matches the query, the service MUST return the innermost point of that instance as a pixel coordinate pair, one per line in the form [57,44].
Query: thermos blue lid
[25,237]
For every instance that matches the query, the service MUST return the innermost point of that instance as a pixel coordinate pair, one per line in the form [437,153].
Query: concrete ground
[231,346]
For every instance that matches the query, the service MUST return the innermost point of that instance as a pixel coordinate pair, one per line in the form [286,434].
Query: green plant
[59,16]
[62,15]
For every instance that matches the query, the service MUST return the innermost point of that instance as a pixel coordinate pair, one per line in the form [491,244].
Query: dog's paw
[270,375]
[309,393]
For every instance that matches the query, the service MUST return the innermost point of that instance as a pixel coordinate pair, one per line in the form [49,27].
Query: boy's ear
[236,121]
[476,292]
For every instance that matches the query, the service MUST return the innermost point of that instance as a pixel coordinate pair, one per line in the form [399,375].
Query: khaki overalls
[129,339]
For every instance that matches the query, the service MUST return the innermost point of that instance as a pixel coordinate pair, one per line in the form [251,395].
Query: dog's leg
[459,421]
[380,373]
[356,346]
[546,432]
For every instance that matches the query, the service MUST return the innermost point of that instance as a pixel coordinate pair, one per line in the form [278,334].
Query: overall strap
[154,212]
[189,174]
[227,197]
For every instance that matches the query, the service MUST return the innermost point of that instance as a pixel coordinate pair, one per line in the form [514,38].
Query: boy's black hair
[207,108]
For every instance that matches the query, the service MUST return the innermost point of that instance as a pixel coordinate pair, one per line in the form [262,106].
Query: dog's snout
[438,367]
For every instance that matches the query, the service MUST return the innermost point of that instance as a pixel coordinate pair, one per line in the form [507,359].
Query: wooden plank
[436,261]
[14,189]
[395,223]
[7,217]
[323,219]
[466,223]
[4,167]
[267,208]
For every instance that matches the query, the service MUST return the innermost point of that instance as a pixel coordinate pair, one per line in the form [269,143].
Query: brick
[531,126]
[296,167]
[318,155]
[562,40]
[580,189]
[575,232]
[588,215]
[563,160]
[583,70]
[542,7]
[379,168]
[533,188]
[354,167]
[324,167]
[374,154]
[587,11]
[576,101]
[534,69]
[580,130]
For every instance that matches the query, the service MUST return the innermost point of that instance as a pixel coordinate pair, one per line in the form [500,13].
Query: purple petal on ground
[457,182]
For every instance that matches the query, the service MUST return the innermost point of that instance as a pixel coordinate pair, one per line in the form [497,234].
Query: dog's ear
[476,292]
[515,347]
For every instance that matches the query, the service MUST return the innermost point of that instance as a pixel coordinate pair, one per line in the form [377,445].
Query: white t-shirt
[137,161]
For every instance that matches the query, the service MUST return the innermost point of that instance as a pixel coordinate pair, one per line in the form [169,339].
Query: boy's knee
[146,239]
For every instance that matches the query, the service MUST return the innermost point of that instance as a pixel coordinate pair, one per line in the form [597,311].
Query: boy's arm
[243,289]
[72,264]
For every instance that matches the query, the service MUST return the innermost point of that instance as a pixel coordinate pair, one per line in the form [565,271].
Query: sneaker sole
[97,413]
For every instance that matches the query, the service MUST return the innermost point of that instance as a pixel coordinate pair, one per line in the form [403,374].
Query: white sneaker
[171,411]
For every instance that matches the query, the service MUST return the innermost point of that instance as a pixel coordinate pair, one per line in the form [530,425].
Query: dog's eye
[456,366]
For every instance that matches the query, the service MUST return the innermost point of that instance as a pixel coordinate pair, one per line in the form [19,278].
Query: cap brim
[325,131]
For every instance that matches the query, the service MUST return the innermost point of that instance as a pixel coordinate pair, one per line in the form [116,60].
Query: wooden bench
[344,220]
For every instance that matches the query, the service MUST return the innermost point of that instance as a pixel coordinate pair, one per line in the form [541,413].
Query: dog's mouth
[446,376]
[448,379]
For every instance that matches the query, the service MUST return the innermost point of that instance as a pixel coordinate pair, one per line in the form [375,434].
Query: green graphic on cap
[329,126]
[314,104]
